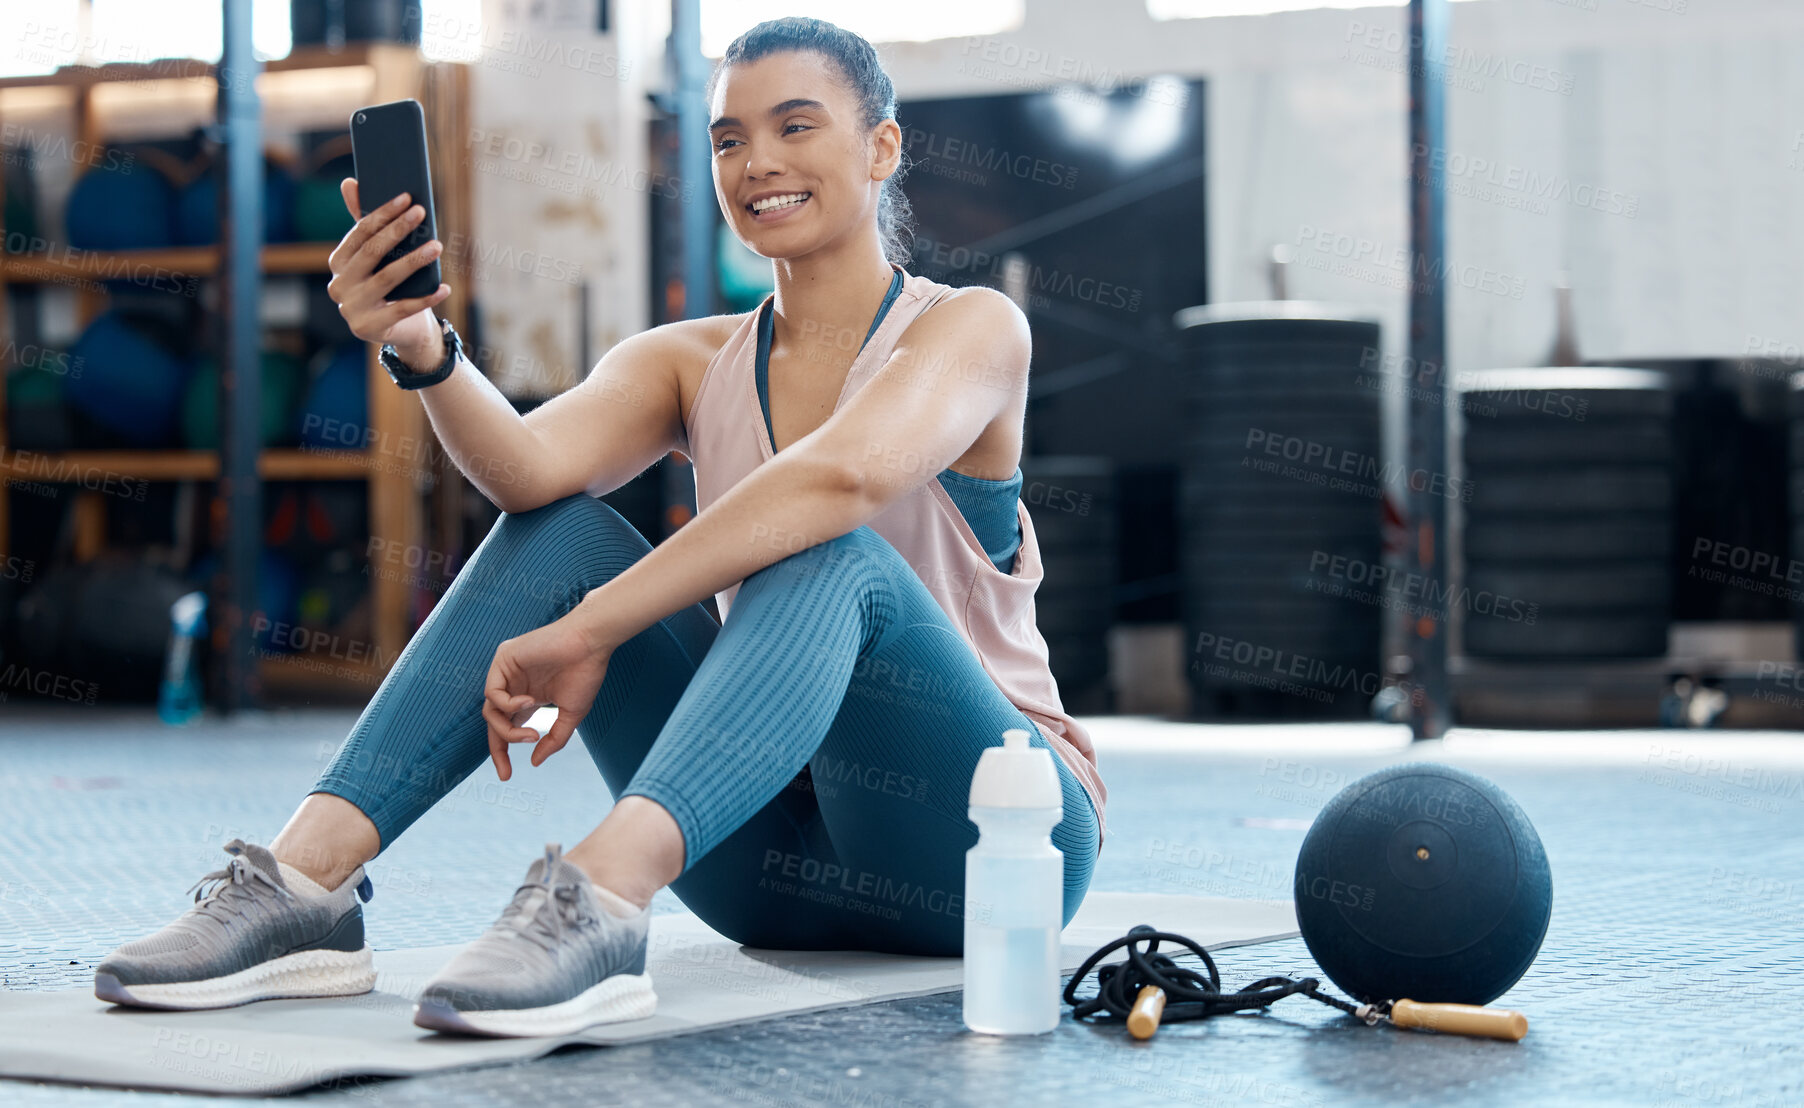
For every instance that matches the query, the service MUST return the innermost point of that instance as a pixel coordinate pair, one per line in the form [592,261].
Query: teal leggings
[816,750]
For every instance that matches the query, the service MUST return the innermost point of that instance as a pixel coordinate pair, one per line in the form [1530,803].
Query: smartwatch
[409,378]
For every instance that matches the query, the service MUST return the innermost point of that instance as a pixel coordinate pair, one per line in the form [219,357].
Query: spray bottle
[1014,891]
[178,697]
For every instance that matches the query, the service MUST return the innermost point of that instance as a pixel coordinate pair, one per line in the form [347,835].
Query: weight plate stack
[1280,487]
[1072,502]
[1569,513]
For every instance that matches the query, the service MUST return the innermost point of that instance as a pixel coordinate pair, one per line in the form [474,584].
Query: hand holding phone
[361,290]
[386,269]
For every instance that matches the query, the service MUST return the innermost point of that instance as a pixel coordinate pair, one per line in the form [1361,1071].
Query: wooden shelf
[81,466]
[180,69]
[397,490]
[125,265]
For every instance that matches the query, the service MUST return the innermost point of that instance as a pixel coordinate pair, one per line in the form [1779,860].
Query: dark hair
[864,75]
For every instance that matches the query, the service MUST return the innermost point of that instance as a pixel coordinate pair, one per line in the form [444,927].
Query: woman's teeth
[771,203]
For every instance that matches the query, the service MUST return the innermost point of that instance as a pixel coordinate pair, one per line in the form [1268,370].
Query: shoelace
[542,920]
[224,900]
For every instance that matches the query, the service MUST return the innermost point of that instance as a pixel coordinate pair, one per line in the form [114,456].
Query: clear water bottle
[1014,891]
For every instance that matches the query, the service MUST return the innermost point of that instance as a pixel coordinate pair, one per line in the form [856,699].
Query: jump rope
[1151,988]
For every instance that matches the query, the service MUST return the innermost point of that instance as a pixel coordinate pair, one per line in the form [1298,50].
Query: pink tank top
[993,611]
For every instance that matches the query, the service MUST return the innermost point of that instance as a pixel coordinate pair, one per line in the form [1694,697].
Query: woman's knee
[859,553]
[569,542]
[579,509]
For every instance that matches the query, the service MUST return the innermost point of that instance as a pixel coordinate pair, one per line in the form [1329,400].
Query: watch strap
[407,377]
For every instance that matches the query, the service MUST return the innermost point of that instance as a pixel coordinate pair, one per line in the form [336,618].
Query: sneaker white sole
[624,996]
[306,973]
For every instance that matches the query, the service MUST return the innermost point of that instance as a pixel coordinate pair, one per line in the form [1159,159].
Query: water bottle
[1014,891]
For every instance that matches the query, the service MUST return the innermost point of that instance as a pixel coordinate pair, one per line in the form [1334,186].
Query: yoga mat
[703,981]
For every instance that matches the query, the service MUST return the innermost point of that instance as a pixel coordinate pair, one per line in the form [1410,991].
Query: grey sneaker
[554,963]
[249,938]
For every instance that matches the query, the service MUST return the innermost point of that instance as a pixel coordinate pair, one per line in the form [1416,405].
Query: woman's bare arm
[593,437]
[959,366]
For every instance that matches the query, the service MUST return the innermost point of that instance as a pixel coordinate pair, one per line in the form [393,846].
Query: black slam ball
[1426,882]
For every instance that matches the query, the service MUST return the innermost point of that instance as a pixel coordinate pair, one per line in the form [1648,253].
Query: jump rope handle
[1461,1019]
[1149,1006]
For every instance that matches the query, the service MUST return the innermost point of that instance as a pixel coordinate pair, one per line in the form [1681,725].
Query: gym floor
[1672,972]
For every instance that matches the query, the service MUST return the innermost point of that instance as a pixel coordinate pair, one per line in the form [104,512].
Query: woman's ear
[886,149]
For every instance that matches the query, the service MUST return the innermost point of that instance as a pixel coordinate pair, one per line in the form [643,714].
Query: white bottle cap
[1016,775]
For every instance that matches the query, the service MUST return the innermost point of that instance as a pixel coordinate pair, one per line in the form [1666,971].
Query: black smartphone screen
[388,150]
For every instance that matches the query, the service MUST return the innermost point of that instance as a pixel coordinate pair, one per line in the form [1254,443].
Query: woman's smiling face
[794,166]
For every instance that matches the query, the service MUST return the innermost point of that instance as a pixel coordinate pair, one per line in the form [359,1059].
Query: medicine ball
[37,415]
[320,214]
[1426,882]
[123,204]
[129,384]
[103,627]
[197,208]
[283,377]
[335,415]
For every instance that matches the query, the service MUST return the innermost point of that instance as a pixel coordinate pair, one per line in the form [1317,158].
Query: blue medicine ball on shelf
[336,413]
[129,383]
[197,209]
[122,205]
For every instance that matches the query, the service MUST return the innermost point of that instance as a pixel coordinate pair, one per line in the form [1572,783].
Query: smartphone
[388,154]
